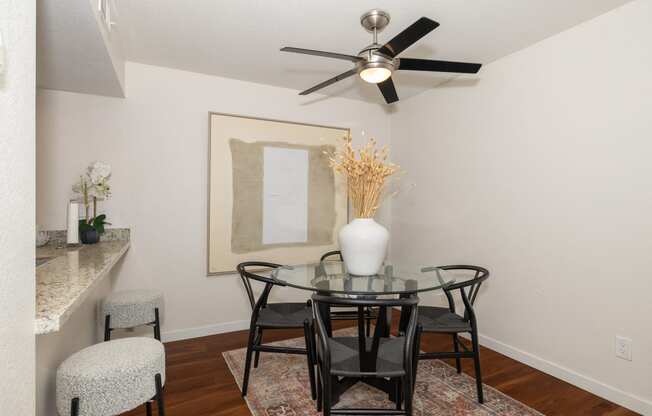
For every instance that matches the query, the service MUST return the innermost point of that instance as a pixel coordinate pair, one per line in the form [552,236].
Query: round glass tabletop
[332,277]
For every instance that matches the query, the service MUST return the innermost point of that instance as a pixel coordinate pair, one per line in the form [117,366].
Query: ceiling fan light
[375,75]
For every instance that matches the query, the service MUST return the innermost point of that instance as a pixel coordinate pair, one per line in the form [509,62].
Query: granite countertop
[64,280]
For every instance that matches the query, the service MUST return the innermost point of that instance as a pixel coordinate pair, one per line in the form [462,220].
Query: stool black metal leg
[307,331]
[456,348]
[157,325]
[74,407]
[159,395]
[107,327]
[250,346]
[148,407]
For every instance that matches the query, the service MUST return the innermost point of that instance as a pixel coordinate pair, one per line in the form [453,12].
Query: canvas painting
[272,194]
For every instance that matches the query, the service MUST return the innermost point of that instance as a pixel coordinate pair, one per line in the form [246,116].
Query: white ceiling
[241,39]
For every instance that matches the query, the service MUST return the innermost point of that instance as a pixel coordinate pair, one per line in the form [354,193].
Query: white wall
[541,171]
[156,140]
[17,25]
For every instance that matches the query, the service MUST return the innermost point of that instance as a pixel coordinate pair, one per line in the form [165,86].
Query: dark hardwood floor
[199,382]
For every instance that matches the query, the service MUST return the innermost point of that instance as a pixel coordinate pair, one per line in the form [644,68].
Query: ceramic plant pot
[89,236]
[363,243]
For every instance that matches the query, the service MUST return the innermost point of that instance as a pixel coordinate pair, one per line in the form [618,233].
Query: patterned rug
[280,387]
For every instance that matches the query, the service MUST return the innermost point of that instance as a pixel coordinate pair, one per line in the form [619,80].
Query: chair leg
[250,346]
[320,390]
[313,339]
[476,361]
[456,348]
[148,408]
[415,356]
[313,346]
[368,322]
[159,395]
[259,340]
[74,407]
[107,327]
[157,325]
[328,394]
[397,393]
[307,332]
[407,395]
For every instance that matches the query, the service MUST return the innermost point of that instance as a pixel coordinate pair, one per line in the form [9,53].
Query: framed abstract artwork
[272,195]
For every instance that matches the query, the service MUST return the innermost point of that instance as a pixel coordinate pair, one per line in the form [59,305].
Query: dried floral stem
[365,172]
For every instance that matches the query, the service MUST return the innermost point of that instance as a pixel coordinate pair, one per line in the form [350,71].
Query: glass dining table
[332,279]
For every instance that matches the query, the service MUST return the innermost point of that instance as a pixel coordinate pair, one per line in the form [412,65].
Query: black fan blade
[388,90]
[330,81]
[413,33]
[322,53]
[411,64]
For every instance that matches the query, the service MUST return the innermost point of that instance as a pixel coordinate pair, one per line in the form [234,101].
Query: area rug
[280,387]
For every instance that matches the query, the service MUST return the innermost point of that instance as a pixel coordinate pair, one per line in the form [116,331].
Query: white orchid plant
[93,186]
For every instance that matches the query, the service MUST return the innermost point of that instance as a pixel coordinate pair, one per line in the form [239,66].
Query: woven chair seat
[284,315]
[436,319]
[345,356]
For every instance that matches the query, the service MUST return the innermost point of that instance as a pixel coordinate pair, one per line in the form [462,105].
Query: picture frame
[272,195]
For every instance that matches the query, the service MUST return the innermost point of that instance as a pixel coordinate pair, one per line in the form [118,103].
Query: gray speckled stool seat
[112,377]
[132,308]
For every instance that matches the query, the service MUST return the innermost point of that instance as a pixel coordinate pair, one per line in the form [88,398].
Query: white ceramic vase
[363,243]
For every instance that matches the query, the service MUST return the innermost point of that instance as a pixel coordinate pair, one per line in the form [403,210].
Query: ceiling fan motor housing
[374,59]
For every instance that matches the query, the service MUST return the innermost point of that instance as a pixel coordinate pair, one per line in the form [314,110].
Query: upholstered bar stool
[112,377]
[132,308]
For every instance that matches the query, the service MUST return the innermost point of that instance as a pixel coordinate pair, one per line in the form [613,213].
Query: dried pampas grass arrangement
[366,173]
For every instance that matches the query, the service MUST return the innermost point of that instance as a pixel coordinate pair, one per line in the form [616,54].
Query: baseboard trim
[204,331]
[589,384]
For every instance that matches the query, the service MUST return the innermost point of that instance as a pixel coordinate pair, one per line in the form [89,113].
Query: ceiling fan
[376,63]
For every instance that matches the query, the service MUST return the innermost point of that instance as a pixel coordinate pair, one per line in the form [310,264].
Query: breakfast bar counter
[66,275]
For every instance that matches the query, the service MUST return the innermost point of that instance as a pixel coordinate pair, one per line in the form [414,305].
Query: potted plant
[93,186]
[363,242]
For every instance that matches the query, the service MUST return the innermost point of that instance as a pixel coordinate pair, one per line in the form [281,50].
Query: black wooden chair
[361,357]
[349,315]
[447,321]
[275,316]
